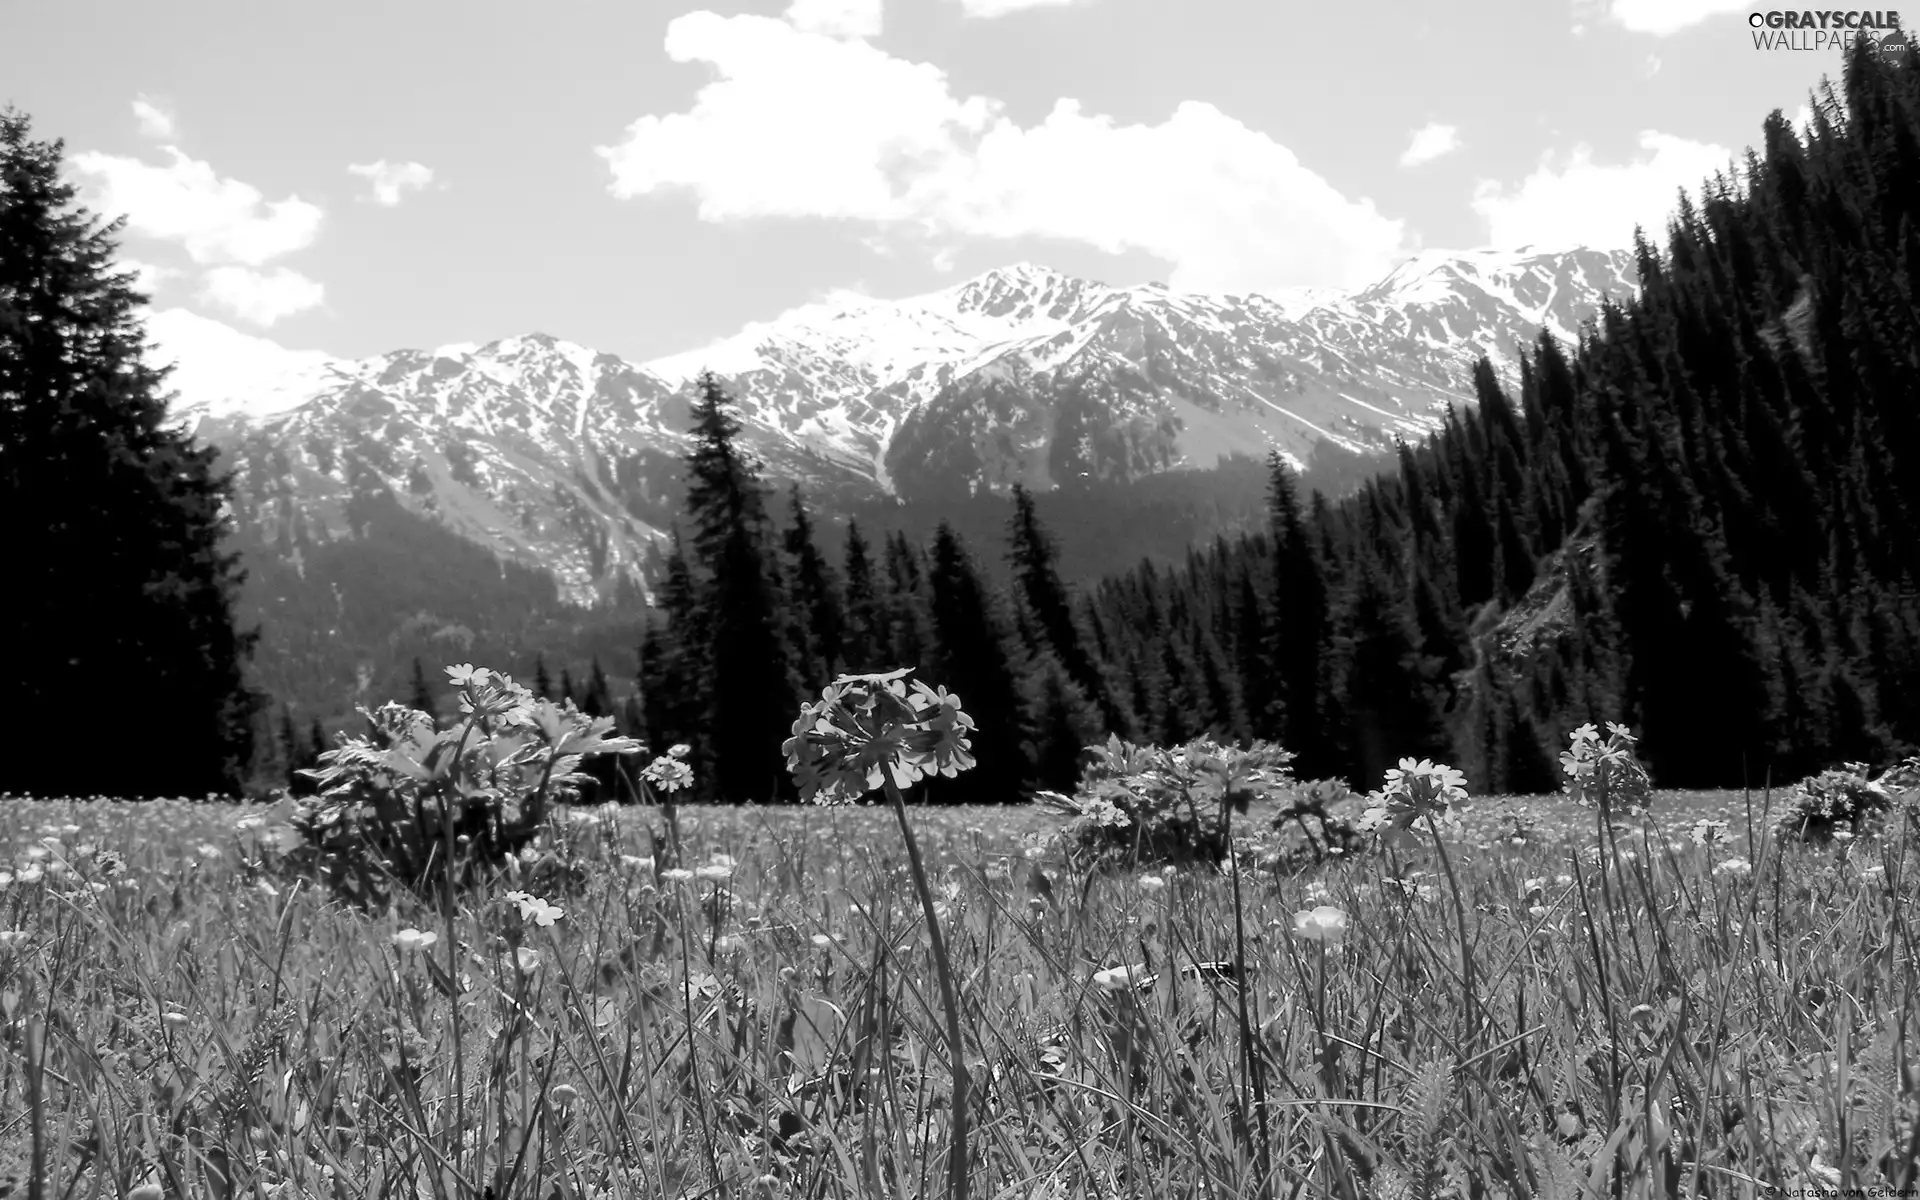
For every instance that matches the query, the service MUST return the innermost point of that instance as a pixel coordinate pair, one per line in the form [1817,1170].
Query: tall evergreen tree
[753,691]
[863,640]
[1300,631]
[420,693]
[816,602]
[1039,589]
[115,520]
[971,660]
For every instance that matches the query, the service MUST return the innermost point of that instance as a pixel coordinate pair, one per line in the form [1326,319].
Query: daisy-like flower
[714,872]
[533,908]
[676,874]
[410,940]
[1152,883]
[1323,923]
[1734,866]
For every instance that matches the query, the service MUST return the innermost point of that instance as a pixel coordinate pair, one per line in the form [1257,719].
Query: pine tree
[971,660]
[754,692]
[542,682]
[115,521]
[817,619]
[1300,632]
[1040,591]
[420,693]
[863,641]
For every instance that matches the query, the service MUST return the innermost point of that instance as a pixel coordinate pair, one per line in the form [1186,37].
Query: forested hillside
[1699,521]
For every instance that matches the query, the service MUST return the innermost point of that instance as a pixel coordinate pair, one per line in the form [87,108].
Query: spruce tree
[753,691]
[420,693]
[542,682]
[971,660]
[816,603]
[1037,582]
[115,521]
[863,641]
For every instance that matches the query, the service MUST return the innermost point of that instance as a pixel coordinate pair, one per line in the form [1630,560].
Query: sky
[646,177]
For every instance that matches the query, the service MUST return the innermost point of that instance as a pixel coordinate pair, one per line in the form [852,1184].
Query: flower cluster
[1416,789]
[867,729]
[1606,776]
[669,772]
[1842,800]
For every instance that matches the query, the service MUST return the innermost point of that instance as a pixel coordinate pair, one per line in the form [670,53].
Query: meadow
[1636,1015]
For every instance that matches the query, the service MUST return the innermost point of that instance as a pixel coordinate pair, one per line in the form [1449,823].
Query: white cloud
[1430,141]
[988,9]
[836,18]
[148,276]
[392,180]
[1583,203]
[155,122]
[261,297]
[216,219]
[1664,17]
[803,125]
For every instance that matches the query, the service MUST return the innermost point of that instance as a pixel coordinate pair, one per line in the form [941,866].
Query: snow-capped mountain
[569,459]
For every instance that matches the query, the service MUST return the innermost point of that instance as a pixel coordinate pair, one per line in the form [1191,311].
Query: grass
[772,1028]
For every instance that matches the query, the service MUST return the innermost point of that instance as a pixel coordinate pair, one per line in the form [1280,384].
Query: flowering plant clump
[1415,789]
[406,803]
[1138,804]
[867,730]
[1323,834]
[1836,800]
[1606,776]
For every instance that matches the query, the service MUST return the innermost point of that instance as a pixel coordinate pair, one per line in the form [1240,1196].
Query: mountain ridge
[556,454]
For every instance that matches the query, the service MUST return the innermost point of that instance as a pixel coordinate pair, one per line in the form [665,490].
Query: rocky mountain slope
[556,456]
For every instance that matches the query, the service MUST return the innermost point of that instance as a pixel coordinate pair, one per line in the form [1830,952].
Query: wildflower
[668,774]
[533,908]
[866,730]
[246,824]
[676,874]
[6,880]
[527,959]
[1532,887]
[1115,978]
[1416,788]
[1537,910]
[822,940]
[1734,866]
[1709,833]
[410,940]
[637,862]
[715,872]
[1605,776]
[1324,923]
[31,873]
[38,853]
[174,1020]
[1152,883]
[9,938]
[562,1095]
[208,851]
[1562,880]
[1317,890]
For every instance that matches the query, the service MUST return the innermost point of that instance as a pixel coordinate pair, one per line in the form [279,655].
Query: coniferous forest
[1702,521]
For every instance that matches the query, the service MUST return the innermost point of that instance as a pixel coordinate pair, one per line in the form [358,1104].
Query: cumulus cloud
[1664,17]
[155,122]
[988,9]
[147,276]
[836,18]
[392,180]
[1580,202]
[798,124]
[1430,141]
[217,220]
[261,297]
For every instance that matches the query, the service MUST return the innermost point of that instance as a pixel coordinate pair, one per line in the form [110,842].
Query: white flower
[676,874]
[208,851]
[31,873]
[1152,883]
[9,938]
[533,908]
[1734,866]
[410,940]
[715,872]
[1115,978]
[637,862]
[668,773]
[822,940]
[245,824]
[1709,832]
[527,959]
[1324,923]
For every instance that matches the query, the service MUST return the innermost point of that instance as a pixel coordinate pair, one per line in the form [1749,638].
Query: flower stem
[957,1157]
